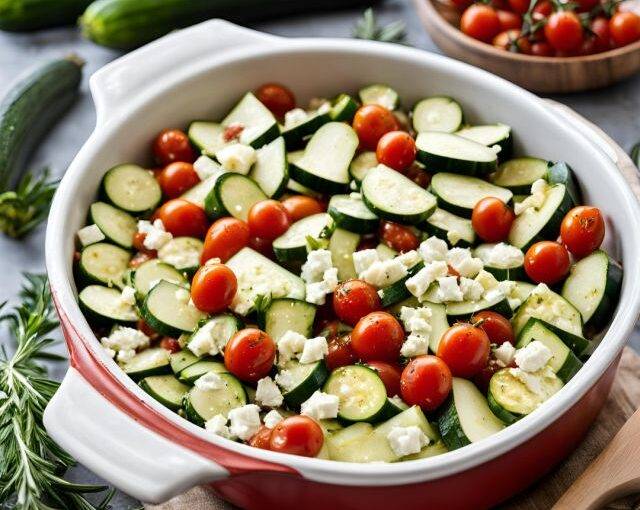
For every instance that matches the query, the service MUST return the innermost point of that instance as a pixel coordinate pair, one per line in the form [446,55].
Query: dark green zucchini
[25,15]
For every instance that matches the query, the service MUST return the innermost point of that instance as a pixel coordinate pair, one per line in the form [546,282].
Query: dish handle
[114,85]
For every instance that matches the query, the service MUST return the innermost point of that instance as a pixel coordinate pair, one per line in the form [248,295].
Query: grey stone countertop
[614,109]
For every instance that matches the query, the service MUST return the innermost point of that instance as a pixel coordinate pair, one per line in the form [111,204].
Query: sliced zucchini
[294,136]
[439,324]
[522,291]
[286,314]
[118,226]
[183,253]
[342,245]
[391,196]
[260,126]
[351,214]
[398,291]
[153,271]
[593,288]
[181,360]
[132,189]
[154,361]
[195,371]
[465,309]
[457,231]
[459,194]
[292,245]
[233,195]
[504,269]
[385,253]
[202,405]
[104,263]
[167,310]
[561,173]
[343,108]
[271,169]
[431,450]
[445,152]
[198,194]
[301,381]
[298,188]
[519,174]
[539,224]
[324,166]
[490,135]
[166,389]
[382,95]
[438,113]
[212,334]
[466,417]
[207,136]
[104,305]
[361,164]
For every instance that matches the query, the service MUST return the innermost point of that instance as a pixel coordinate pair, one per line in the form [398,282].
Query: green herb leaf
[367,28]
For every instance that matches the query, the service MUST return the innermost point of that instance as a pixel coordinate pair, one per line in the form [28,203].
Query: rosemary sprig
[31,463]
[367,28]
[22,209]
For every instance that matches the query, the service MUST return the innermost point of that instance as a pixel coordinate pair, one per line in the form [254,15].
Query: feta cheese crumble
[237,157]
[407,440]
[321,406]
[471,289]
[363,259]
[320,276]
[218,425]
[209,382]
[433,249]
[272,418]
[415,345]
[290,344]
[505,354]
[504,255]
[285,379]
[533,356]
[267,393]
[211,338]
[125,341]
[294,118]
[314,350]
[156,235]
[448,289]
[384,273]
[128,295]
[533,201]
[420,282]
[465,265]
[90,234]
[245,421]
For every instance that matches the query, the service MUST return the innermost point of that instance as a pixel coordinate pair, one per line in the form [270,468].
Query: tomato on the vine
[624,28]
[601,35]
[511,40]
[465,349]
[426,382]
[582,230]
[547,262]
[354,299]
[509,20]
[481,22]
[519,6]
[564,31]
[249,354]
[542,49]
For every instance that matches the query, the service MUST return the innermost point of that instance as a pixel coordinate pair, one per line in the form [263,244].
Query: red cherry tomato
[582,230]
[482,378]
[176,178]
[425,382]
[542,10]
[371,122]
[390,375]
[625,28]
[542,49]
[139,258]
[249,354]
[398,237]
[138,244]
[170,344]
[512,41]
[146,329]
[586,5]
[377,336]
[547,262]
[354,299]
[462,4]
[225,238]
[297,435]
[465,349]
[497,327]
[301,206]
[183,218]
[340,352]
[481,22]
[601,35]
[213,288]
[492,219]
[519,6]
[268,219]
[261,439]
[173,145]
[263,246]
[509,20]
[418,175]
[564,31]
[277,98]
[397,150]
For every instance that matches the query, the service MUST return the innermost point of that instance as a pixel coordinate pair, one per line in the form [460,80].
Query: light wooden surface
[538,74]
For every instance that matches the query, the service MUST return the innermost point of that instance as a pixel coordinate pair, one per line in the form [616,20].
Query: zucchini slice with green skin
[256,119]
[271,169]
[438,113]
[202,405]
[459,194]
[535,225]
[593,288]
[212,334]
[466,417]
[292,245]
[381,188]
[167,310]
[522,291]
[294,136]
[207,136]
[118,226]
[286,314]
[104,305]
[564,362]
[154,361]
[446,152]
[302,381]
[490,135]
[233,195]
[198,194]
[385,253]
[104,263]
[183,253]
[504,270]
[181,360]
[382,95]
[191,373]
[361,165]
[465,309]
[299,189]
[342,246]
[351,214]
[344,108]
[561,173]
[457,231]
[152,271]
[324,166]
[132,189]
[166,389]
[398,291]
[519,174]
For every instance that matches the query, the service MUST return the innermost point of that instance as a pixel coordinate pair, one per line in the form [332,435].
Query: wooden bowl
[538,74]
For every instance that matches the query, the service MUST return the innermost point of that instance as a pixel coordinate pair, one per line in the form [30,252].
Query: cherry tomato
[390,375]
[176,178]
[138,244]
[173,145]
[586,5]
[418,175]
[542,49]
[625,28]
[425,382]
[263,246]
[511,41]
[213,288]
[268,219]
[519,6]
[547,262]
[542,10]
[371,122]
[492,219]
[601,35]
[465,349]
[340,352]
[481,22]
[482,378]
[398,237]
[564,31]
[249,354]
[462,4]
[367,243]
[277,98]
[297,435]
[330,328]
[232,132]
[225,237]
[582,230]
[497,327]
[354,299]
[377,336]
[509,20]
[140,258]
[147,330]
[170,344]
[183,218]
[262,438]
[301,206]
[397,150]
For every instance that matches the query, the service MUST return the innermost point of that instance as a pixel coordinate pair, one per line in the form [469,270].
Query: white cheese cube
[128,295]
[218,426]
[363,259]
[453,236]
[290,344]
[505,354]
[90,234]
[126,354]
[267,393]
[314,350]
[209,382]
[237,157]
[286,380]
[318,261]
[471,289]
[504,255]
[384,273]
[245,421]
[415,345]
[156,235]
[533,356]
[272,418]
[409,258]
[294,118]
[420,282]
[448,289]
[407,440]
[433,249]
[321,406]
[123,338]
[533,201]
[461,260]
[487,280]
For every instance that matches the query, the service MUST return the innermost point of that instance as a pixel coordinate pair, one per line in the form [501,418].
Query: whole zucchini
[126,24]
[23,15]
[30,109]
